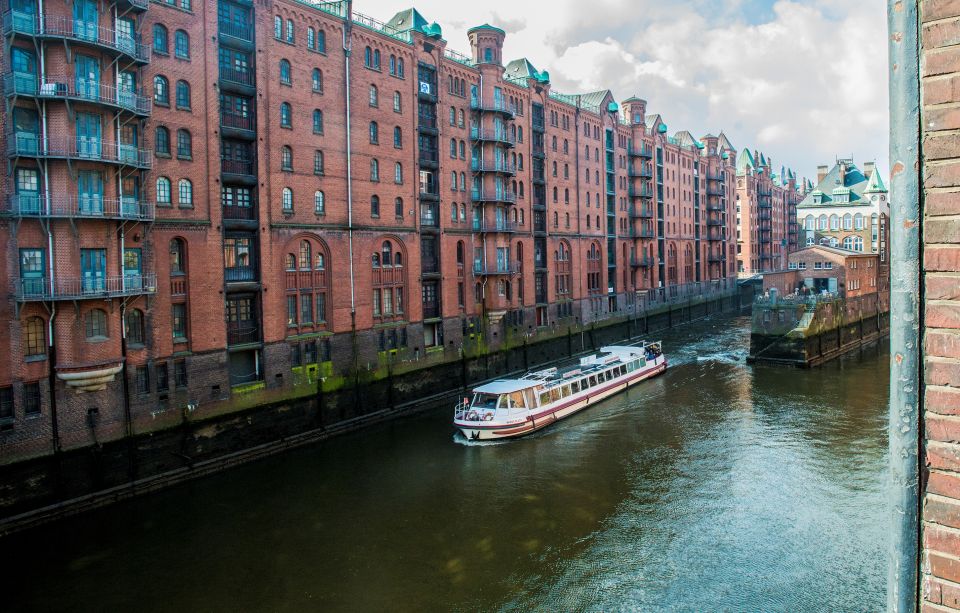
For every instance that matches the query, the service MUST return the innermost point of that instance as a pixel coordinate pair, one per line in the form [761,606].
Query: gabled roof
[685,139]
[833,250]
[725,142]
[594,99]
[410,19]
[521,69]
[706,136]
[876,185]
[853,186]
[745,163]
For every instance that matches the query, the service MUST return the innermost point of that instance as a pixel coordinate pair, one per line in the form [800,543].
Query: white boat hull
[492,431]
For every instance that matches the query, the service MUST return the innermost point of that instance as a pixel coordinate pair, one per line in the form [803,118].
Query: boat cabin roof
[505,386]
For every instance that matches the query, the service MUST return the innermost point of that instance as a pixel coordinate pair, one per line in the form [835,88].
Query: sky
[804,81]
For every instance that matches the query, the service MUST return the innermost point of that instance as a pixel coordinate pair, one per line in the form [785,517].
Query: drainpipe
[347,47]
[903,562]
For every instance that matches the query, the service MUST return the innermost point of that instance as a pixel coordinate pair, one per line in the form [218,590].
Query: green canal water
[717,486]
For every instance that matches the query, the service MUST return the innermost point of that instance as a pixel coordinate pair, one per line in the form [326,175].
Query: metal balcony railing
[52,26]
[87,287]
[641,261]
[640,192]
[505,196]
[643,172]
[240,213]
[498,166]
[240,274]
[238,122]
[242,332]
[236,167]
[492,135]
[240,31]
[67,88]
[483,225]
[234,75]
[89,207]
[499,268]
[23,144]
[641,212]
[492,106]
[642,151]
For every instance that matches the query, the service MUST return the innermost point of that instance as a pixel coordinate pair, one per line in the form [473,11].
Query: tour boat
[509,408]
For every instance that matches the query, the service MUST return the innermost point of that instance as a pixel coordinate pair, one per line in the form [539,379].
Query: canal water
[717,486]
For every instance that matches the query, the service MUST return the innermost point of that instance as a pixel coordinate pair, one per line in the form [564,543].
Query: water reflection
[717,485]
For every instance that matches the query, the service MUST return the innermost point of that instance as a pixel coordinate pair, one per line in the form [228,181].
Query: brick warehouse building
[767,229]
[203,197]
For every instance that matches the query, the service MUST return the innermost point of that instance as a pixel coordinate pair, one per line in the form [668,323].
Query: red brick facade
[281,185]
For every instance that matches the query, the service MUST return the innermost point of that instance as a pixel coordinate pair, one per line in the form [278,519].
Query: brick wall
[940,95]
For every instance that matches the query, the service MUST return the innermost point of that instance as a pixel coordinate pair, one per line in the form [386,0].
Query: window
[317,121]
[161,90]
[317,80]
[375,206]
[396,102]
[285,78]
[286,158]
[376,59]
[318,204]
[375,170]
[178,318]
[183,95]
[286,200]
[34,338]
[163,377]
[290,32]
[397,138]
[374,133]
[277,27]
[393,64]
[318,162]
[400,67]
[184,145]
[374,96]
[286,121]
[185,194]
[321,45]
[311,37]
[31,398]
[95,324]
[180,373]
[398,173]
[178,261]
[143,380]
[181,45]
[160,44]
[161,141]
[398,207]
[368,57]
[133,327]
[163,191]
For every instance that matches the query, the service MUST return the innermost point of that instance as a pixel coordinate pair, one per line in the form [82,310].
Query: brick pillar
[940,97]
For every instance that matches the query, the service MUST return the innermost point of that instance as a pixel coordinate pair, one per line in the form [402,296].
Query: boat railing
[465,412]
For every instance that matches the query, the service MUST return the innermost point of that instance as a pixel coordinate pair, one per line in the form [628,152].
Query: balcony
[641,212]
[239,213]
[482,269]
[72,207]
[75,31]
[429,196]
[643,151]
[64,88]
[492,106]
[492,136]
[640,192]
[538,124]
[243,332]
[135,5]
[429,266]
[716,206]
[239,32]
[500,225]
[240,126]
[85,288]
[765,215]
[493,166]
[24,144]
[764,203]
[234,79]
[641,261]
[714,222]
[431,310]
[714,176]
[427,124]
[642,232]
[644,172]
[716,235]
[715,191]
[241,171]
[495,196]
[715,258]
[428,159]
[240,274]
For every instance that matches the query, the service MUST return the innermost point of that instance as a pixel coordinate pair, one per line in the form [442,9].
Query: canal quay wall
[41,489]
[806,331]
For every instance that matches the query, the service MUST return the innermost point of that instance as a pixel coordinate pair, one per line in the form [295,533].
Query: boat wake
[460,439]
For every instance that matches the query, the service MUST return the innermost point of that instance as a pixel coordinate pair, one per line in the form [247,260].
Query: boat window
[593,380]
[503,401]
[485,401]
[621,371]
[516,400]
[566,391]
[544,398]
[576,386]
[555,394]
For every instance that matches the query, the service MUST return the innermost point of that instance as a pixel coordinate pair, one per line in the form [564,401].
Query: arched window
[376,59]
[375,206]
[858,222]
[521,190]
[277,27]
[397,106]
[181,45]
[306,256]
[319,207]
[184,144]
[463,182]
[834,222]
[286,115]
[368,57]
[321,41]
[858,243]
[398,207]
[160,41]
[286,200]
[34,332]
[317,80]
[183,95]
[809,223]
[556,220]
[285,78]
[161,90]
[387,252]
[163,191]
[397,137]
[286,158]
[161,141]
[290,31]
[393,64]
[453,212]
[318,162]
[185,193]
[95,324]
[374,96]
[848,222]
[848,243]
[398,173]
[555,194]
[374,133]
[374,170]
[311,38]
[133,327]
[822,222]
[178,257]
[290,263]
[317,121]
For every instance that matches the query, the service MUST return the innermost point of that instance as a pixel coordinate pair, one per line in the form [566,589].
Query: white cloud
[806,81]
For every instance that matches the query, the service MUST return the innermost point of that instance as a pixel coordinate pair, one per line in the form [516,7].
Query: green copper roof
[745,163]
[410,19]
[852,187]
[724,142]
[876,185]
[521,69]
[662,129]
[486,26]
[613,107]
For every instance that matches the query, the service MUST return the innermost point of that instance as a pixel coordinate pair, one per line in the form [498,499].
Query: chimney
[868,168]
[821,173]
[843,174]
